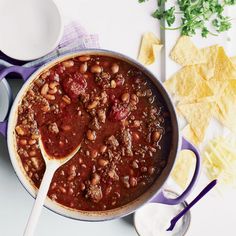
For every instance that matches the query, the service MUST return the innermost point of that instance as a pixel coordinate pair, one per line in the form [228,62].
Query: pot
[153,194]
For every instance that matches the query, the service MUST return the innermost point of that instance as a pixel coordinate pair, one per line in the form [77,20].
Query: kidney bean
[66,99]
[96,69]
[133,181]
[53,85]
[108,190]
[125,179]
[156,136]
[53,185]
[20,130]
[50,97]
[125,97]
[61,144]
[91,135]
[84,58]
[151,170]
[68,64]
[113,84]
[103,148]
[115,68]
[83,67]
[103,162]
[134,99]
[135,165]
[94,153]
[62,189]
[66,127]
[35,162]
[135,136]
[149,92]
[52,91]
[143,169]
[45,108]
[70,191]
[24,122]
[92,105]
[82,186]
[23,142]
[44,89]
[95,179]
[32,141]
[45,74]
[35,136]
[32,153]
[137,123]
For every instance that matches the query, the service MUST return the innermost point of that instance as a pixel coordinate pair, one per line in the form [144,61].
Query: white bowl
[29,28]
[5,99]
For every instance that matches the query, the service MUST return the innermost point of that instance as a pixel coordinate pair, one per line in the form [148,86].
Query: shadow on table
[5,159]
[15,84]
[129,219]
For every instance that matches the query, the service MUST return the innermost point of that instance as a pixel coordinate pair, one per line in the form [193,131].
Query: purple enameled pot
[153,194]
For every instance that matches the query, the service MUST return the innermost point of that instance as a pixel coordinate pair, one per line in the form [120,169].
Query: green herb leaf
[167,15]
[195,15]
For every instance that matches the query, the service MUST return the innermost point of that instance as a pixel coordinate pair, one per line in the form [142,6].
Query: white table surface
[120,25]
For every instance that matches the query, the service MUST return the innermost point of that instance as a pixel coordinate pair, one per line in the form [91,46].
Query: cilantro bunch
[195,15]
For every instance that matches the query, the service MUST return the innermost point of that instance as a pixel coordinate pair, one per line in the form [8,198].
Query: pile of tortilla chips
[149,48]
[204,87]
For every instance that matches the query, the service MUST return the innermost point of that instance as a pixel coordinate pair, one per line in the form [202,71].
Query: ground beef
[94,192]
[53,128]
[127,140]
[112,141]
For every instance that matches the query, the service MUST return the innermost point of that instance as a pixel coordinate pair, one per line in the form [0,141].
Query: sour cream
[153,219]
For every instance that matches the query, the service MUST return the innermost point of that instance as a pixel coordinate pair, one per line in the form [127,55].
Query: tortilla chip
[225,111]
[198,115]
[156,48]
[186,53]
[183,82]
[183,167]
[207,70]
[190,135]
[201,92]
[217,87]
[224,68]
[150,46]
[233,59]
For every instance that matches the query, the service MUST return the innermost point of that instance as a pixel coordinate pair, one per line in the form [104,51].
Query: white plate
[5,99]
[29,28]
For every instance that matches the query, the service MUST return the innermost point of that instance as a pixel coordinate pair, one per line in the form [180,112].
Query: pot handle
[3,128]
[25,72]
[160,198]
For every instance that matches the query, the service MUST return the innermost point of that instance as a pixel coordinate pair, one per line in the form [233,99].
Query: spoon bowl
[52,164]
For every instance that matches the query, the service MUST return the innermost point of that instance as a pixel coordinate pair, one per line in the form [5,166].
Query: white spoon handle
[41,196]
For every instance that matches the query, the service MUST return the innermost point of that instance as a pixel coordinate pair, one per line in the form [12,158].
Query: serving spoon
[191,204]
[52,164]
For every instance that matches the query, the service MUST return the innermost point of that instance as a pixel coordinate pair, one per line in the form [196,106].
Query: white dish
[5,99]
[154,219]
[29,28]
